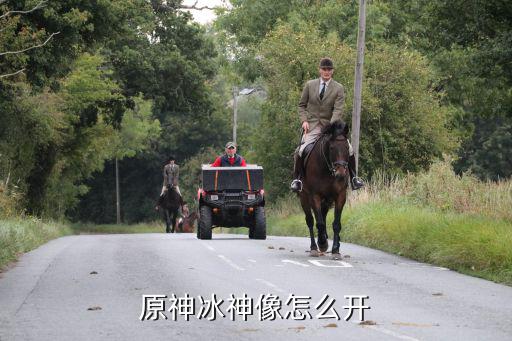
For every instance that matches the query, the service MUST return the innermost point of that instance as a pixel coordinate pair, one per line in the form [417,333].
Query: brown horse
[325,182]
[186,225]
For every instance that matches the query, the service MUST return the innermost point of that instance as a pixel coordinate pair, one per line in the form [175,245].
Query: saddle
[307,152]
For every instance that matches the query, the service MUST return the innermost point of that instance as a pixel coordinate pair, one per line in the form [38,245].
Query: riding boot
[296,185]
[355,182]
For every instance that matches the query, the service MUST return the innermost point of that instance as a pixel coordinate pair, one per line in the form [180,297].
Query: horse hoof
[336,256]
[324,247]
[313,253]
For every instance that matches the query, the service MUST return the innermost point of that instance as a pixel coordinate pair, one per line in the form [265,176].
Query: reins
[331,165]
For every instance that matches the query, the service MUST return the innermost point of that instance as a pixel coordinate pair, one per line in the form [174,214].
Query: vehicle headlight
[251,196]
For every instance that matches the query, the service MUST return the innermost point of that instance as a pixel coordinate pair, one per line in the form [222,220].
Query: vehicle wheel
[204,227]
[259,230]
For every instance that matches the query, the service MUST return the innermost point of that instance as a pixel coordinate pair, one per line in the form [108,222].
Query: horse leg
[173,221]
[306,207]
[320,224]
[323,242]
[167,220]
[336,224]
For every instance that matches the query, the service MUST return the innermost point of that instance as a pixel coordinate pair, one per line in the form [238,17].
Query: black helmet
[171,158]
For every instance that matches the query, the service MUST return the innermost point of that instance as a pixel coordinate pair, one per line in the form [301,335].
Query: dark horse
[170,204]
[325,182]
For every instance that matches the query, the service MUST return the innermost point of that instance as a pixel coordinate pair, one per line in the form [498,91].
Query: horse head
[338,149]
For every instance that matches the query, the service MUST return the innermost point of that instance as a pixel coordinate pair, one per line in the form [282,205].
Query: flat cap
[326,63]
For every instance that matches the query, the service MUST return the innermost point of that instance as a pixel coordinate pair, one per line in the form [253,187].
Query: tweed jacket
[171,174]
[320,112]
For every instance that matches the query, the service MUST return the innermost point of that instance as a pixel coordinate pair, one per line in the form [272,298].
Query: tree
[173,66]
[469,44]
[9,20]
[404,128]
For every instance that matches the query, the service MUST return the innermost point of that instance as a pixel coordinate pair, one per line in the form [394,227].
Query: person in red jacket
[230,158]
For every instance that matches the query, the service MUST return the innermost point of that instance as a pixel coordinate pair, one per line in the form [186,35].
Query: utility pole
[358,84]
[235,109]
[118,204]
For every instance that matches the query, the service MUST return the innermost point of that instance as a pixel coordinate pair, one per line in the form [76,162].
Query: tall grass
[442,189]
[462,242]
[18,235]
[9,200]
[437,217]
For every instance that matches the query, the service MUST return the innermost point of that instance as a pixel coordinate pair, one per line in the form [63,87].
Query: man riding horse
[321,103]
[171,177]
[170,199]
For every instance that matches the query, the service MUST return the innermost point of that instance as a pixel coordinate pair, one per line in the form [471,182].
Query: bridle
[332,165]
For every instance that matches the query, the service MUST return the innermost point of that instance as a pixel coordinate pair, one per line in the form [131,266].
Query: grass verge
[19,235]
[474,245]
[470,244]
[84,228]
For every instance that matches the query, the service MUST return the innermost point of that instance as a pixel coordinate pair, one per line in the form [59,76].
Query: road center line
[208,247]
[230,263]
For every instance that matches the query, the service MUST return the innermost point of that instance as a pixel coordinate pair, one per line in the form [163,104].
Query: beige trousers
[164,189]
[314,135]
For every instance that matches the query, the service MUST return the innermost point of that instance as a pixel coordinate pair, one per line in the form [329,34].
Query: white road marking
[252,260]
[208,247]
[295,262]
[230,263]
[272,285]
[334,263]
[391,333]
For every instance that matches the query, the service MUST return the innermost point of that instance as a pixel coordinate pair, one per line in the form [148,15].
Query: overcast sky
[205,16]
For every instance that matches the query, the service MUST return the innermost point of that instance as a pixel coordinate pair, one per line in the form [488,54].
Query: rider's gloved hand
[305,127]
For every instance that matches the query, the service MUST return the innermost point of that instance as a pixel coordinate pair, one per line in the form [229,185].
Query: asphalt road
[92,288]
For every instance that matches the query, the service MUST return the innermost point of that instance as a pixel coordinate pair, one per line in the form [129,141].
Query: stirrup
[296,186]
[356,183]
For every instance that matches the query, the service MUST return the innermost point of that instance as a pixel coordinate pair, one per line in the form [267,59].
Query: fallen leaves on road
[437,294]
[250,330]
[94,308]
[299,328]
[93,273]
[271,247]
[331,325]
[281,248]
[368,323]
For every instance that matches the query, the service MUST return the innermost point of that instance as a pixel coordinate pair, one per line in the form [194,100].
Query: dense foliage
[119,79]
[437,78]
[86,82]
